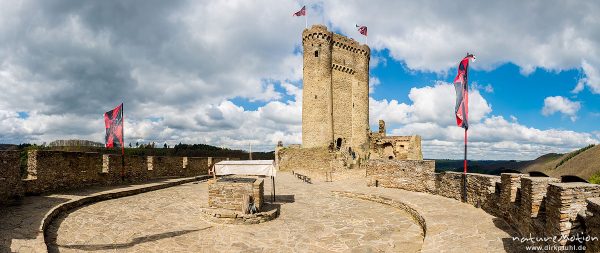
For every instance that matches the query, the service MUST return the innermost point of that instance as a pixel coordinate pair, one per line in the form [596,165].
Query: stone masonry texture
[51,171]
[10,177]
[336,90]
[412,175]
[230,194]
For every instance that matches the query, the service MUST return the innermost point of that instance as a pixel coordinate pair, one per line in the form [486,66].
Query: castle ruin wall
[51,171]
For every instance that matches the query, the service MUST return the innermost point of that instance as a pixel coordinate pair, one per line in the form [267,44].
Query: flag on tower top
[301,12]
[362,29]
[461,109]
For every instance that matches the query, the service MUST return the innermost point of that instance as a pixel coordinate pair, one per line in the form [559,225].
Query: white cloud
[591,78]
[561,104]
[432,36]
[373,82]
[429,104]
[431,115]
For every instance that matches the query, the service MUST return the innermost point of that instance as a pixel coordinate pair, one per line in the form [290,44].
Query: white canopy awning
[246,167]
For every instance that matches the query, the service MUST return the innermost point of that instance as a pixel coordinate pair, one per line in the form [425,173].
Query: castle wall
[395,147]
[50,171]
[319,164]
[592,224]
[360,105]
[410,175]
[537,207]
[305,159]
[10,177]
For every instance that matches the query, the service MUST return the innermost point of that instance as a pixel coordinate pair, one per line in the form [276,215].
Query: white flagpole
[305,19]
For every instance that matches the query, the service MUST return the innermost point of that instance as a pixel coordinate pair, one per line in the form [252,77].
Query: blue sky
[229,73]
[513,93]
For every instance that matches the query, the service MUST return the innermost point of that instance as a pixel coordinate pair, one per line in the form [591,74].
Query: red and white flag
[362,29]
[113,121]
[301,12]
[461,109]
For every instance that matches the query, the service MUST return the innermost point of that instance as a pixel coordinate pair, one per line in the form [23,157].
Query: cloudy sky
[229,73]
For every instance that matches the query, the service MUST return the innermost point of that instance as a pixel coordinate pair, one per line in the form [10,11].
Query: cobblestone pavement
[452,226]
[312,220]
[20,224]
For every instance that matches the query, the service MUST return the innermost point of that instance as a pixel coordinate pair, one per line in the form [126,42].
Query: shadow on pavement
[53,247]
[22,221]
[284,198]
[510,246]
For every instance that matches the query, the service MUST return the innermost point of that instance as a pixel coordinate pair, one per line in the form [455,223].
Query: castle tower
[335,105]
[360,92]
[317,118]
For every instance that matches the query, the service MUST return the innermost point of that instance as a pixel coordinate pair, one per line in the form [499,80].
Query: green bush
[595,179]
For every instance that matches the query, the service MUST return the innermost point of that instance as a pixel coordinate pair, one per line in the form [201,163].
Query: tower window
[316,53]
[315,96]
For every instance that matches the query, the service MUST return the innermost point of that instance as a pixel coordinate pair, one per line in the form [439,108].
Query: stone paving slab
[21,226]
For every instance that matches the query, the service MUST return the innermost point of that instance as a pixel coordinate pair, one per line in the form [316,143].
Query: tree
[137,144]
[165,146]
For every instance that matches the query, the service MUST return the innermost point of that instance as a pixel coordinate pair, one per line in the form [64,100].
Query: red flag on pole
[461,86]
[461,109]
[362,29]
[113,121]
[301,12]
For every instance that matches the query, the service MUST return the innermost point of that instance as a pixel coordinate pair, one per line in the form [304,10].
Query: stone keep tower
[335,99]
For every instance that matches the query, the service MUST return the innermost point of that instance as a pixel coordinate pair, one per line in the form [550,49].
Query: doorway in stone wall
[338,143]
[388,151]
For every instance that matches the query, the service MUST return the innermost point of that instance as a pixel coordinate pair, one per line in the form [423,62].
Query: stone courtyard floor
[313,219]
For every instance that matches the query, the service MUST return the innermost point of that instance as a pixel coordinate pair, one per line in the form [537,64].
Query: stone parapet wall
[592,224]
[480,189]
[540,207]
[566,206]
[510,196]
[412,175]
[10,177]
[532,212]
[50,171]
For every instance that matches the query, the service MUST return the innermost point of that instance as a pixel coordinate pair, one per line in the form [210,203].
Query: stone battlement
[538,206]
[51,171]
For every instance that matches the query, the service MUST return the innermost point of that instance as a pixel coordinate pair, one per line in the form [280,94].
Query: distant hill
[584,163]
[75,143]
[491,167]
[8,147]
[190,150]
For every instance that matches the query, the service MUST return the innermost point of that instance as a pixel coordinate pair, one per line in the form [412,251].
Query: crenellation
[566,204]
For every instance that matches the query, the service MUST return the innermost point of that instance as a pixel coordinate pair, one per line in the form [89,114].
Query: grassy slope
[583,165]
[543,163]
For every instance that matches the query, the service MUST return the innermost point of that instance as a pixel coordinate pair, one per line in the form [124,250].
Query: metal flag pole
[122,143]
[465,170]
[305,20]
